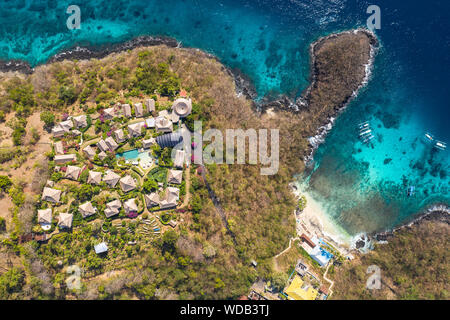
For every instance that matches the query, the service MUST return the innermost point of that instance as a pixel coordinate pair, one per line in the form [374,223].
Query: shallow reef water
[363,188]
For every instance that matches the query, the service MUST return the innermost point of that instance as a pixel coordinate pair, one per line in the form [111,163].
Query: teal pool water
[129,155]
[135,155]
[361,188]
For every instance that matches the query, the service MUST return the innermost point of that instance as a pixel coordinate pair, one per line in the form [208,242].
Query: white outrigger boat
[367,139]
[363,125]
[440,145]
[428,137]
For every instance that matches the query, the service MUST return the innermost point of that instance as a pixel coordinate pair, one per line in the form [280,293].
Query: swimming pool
[134,155]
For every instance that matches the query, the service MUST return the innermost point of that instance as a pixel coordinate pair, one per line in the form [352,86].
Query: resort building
[138,110]
[51,195]
[127,184]
[94,177]
[87,209]
[65,220]
[162,124]
[175,176]
[171,198]
[150,122]
[64,158]
[119,135]
[130,206]
[299,290]
[45,217]
[111,178]
[109,113]
[102,145]
[113,208]
[80,121]
[150,104]
[148,143]
[126,110]
[101,248]
[174,117]
[102,155]
[169,140]
[321,255]
[151,200]
[134,129]
[163,113]
[182,107]
[62,128]
[112,145]
[89,152]
[179,159]
[59,149]
[57,131]
[72,172]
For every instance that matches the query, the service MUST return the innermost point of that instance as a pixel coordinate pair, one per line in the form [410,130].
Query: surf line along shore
[335,90]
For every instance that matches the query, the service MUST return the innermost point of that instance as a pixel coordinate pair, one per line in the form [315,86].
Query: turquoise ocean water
[362,188]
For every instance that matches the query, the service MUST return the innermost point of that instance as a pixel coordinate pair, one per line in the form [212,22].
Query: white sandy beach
[313,221]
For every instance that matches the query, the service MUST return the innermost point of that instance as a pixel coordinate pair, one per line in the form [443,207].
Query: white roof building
[109,113]
[171,198]
[119,135]
[65,220]
[102,155]
[138,110]
[182,107]
[87,209]
[113,208]
[148,143]
[175,176]
[130,206]
[45,216]
[89,152]
[151,200]
[52,195]
[174,117]
[150,104]
[150,122]
[59,149]
[72,172]
[64,158]
[101,248]
[112,145]
[80,121]
[111,178]
[179,159]
[126,110]
[134,129]
[94,177]
[127,183]
[102,145]
[163,124]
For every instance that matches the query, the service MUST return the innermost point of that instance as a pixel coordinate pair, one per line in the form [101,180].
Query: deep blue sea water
[362,188]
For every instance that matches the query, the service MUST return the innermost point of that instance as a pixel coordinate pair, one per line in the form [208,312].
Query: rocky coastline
[438,212]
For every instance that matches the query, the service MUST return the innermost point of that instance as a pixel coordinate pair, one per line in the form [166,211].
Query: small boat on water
[410,191]
[363,133]
[440,145]
[429,137]
[363,125]
[366,140]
